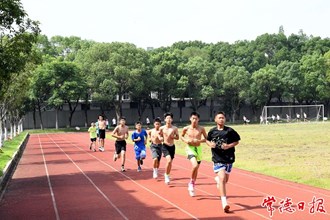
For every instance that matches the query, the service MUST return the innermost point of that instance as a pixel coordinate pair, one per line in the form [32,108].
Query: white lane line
[91,181]
[145,188]
[49,182]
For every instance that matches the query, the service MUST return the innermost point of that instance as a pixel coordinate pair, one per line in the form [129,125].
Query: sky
[157,23]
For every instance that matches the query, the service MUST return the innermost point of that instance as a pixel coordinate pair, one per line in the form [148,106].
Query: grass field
[8,150]
[299,152]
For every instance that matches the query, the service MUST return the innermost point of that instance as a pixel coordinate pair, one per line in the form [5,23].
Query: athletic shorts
[102,133]
[156,151]
[196,152]
[140,153]
[120,146]
[192,156]
[93,139]
[222,166]
[168,150]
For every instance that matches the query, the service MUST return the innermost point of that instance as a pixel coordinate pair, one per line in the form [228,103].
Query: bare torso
[169,133]
[154,136]
[193,135]
[121,132]
[102,124]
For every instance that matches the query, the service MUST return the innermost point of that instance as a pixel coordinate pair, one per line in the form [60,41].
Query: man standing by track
[102,126]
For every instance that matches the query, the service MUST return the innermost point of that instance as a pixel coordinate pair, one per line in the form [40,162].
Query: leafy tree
[264,84]
[67,86]
[314,70]
[197,72]
[291,80]
[165,68]
[17,35]
[236,81]
[113,70]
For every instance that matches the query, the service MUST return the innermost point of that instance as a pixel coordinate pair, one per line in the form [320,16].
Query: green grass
[8,149]
[298,152]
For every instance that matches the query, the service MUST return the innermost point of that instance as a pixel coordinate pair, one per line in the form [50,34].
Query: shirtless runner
[169,133]
[155,146]
[193,135]
[102,126]
[121,134]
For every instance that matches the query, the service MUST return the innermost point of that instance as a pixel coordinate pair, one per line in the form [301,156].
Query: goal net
[292,113]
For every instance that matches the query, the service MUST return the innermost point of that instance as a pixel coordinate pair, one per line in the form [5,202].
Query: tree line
[40,73]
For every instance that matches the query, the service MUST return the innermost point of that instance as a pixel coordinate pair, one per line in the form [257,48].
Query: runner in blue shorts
[222,140]
[139,137]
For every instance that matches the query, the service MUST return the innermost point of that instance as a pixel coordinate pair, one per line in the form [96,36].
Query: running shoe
[226,208]
[139,169]
[123,169]
[167,178]
[101,149]
[155,174]
[115,157]
[191,189]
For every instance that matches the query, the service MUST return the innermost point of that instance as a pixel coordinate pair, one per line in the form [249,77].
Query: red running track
[58,177]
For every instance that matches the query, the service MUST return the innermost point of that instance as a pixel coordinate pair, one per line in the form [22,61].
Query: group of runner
[221,139]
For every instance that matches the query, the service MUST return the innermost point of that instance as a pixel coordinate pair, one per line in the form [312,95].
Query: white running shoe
[101,149]
[115,157]
[155,174]
[217,181]
[191,189]
[167,178]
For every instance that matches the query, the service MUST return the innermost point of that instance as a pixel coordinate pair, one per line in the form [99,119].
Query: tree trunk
[86,111]
[40,116]
[1,139]
[5,129]
[152,110]
[34,118]
[56,119]
[72,110]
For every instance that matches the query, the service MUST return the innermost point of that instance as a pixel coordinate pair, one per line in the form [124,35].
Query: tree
[67,86]
[291,79]
[165,68]
[314,70]
[264,83]
[114,70]
[18,33]
[197,72]
[236,81]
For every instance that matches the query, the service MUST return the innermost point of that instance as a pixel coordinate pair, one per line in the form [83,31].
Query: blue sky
[156,23]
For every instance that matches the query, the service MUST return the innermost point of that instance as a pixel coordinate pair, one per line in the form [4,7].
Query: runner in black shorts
[168,133]
[102,133]
[120,146]
[168,150]
[121,134]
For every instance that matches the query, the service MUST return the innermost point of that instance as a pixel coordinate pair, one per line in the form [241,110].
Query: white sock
[224,201]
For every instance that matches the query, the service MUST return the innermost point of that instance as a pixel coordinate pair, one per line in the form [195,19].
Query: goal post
[292,113]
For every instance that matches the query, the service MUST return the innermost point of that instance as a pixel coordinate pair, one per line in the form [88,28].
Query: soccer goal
[292,113]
